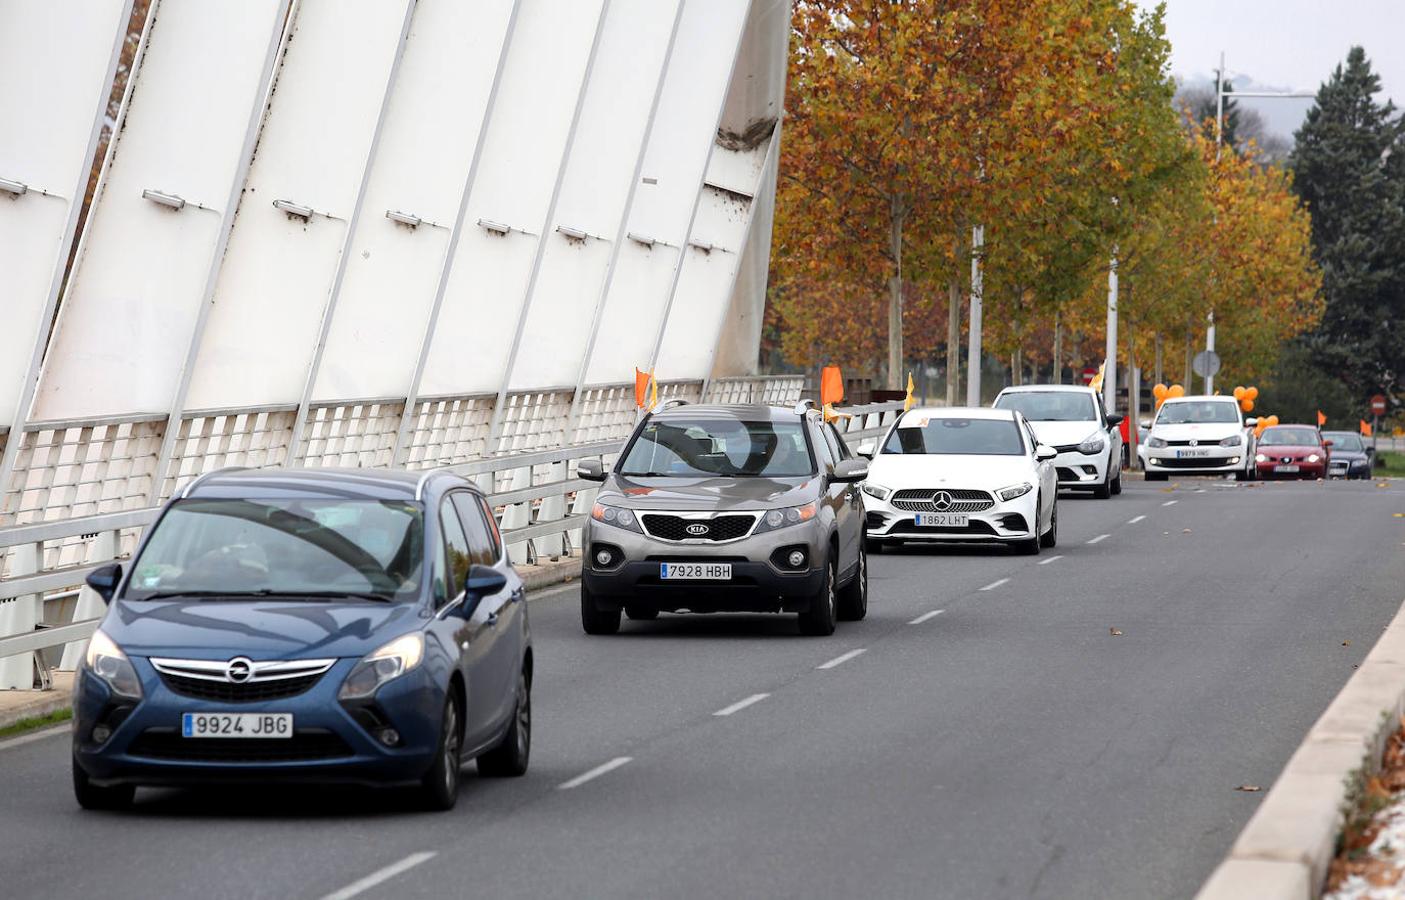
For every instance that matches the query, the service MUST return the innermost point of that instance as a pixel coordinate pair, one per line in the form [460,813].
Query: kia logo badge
[239,670]
[697,529]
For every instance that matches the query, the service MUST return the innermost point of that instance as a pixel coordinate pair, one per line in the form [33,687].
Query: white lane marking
[33,736]
[1045,562]
[1101,537]
[840,660]
[1170,503]
[380,875]
[1136,520]
[925,616]
[602,769]
[994,584]
[741,705]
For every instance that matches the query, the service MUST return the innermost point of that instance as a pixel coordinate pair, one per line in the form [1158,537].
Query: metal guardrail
[532,510]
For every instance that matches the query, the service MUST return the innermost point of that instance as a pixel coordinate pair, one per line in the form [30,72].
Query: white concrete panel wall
[613,123]
[126,320]
[522,157]
[313,151]
[431,128]
[696,84]
[56,63]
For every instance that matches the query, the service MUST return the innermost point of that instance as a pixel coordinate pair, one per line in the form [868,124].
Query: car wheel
[91,796]
[819,619]
[872,547]
[439,789]
[1155,476]
[1117,482]
[641,613]
[1051,537]
[853,597]
[1030,546]
[509,758]
[1104,490]
[595,620]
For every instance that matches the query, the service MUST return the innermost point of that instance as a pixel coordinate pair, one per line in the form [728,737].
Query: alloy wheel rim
[524,718]
[830,593]
[451,748]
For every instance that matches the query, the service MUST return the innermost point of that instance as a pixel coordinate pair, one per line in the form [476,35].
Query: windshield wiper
[264,594]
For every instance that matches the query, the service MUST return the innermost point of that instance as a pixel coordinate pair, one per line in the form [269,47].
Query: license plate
[1188,454]
[237,725]
[949,520]
[1287,469]
[695,571]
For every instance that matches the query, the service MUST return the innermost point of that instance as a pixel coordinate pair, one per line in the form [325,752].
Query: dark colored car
[727,509]
[1350,457]
[1292,451]
[312,625]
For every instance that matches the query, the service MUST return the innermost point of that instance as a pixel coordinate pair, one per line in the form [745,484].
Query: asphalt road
[1008,746]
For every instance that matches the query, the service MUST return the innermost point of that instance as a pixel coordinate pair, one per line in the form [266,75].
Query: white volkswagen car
[1070,418]
[944,475]
[1199,436]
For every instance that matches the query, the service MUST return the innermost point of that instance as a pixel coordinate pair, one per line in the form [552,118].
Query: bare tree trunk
[895,299]
[1158,359]
[953,338]
[1058,347]
[1189,353]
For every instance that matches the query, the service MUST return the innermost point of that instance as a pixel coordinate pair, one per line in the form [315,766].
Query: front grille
[248,692]
[1197,442]
[962,500]
[977,528]
[720,528]
[305,744]
[1065,448]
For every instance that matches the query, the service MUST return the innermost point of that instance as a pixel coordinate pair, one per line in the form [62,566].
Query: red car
[1292,451]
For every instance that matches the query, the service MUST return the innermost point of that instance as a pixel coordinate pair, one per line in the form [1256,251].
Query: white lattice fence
[783,390]
[448,430]
[535,420]
[209,441]
[359,435]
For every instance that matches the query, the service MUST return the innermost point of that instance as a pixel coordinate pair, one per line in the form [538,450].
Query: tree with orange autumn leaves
[1048,122]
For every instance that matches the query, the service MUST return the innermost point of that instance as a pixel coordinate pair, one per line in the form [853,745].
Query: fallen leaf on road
[1249,788]
[1165,532]
[1114,631]
[1185,531]
[1346,643]
[1399,515]
[1383,484]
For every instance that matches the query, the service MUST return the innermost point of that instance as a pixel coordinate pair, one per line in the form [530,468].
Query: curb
[42,703]
[1284,851]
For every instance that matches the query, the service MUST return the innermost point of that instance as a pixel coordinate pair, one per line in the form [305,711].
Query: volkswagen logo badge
[1195,443]
[941,501]
[697,529]
[239,670]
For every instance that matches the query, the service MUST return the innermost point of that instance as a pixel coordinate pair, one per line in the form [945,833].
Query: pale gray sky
[1288,43]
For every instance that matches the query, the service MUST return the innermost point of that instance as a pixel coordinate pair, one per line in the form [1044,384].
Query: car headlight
[384,664]
[1313,457]
[877,491]
[1260,458]
[617,516]
[1154,441]
[1014,490]
[1092,445]
[107,661]
[783,518]
[1233,440]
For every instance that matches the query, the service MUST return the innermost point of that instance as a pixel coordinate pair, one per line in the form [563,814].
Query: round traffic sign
[1378,404]
[1206,363]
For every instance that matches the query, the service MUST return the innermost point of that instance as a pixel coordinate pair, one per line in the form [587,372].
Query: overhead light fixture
[164,199]
[494,227]
[293,209]
[403,218]
[574,234]
[13,187]
[642,239]
[704,246]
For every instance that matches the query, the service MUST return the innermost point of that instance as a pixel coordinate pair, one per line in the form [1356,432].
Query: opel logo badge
[239,670]
[941,501]
[697,529]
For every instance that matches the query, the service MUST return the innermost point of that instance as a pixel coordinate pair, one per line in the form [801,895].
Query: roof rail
[185,491]
[805,406]
[671,402]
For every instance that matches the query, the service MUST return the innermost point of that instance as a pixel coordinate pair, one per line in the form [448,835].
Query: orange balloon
[1246,405]
[1239,393]
[1252,393]
[1159,392]
[1176,391]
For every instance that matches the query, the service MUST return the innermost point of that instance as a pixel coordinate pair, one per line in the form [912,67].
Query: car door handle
[492,619]
[518,595]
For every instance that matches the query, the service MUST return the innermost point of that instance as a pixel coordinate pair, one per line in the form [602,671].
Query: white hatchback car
[1199,436]
[1071,419]
[947,475]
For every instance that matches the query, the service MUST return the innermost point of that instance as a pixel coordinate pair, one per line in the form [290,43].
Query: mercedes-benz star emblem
[239,670]
[941,501]
[697,529]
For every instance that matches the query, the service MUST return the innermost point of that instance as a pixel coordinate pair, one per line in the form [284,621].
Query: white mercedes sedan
[960,475]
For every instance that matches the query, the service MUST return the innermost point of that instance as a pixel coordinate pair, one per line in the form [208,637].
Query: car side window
[825,450]
[837,447]
[480,544]
[456,549]
[493,531]
[1033,441]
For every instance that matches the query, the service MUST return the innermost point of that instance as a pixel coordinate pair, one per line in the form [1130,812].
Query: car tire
[853,597]
[91,796]
[1242,475]
[818,620]
[1117,482]
[872,547]
[439,788]
[1104,490]
[508,759]
[595,620]
[1156,476]
[641,613]
[1050,538]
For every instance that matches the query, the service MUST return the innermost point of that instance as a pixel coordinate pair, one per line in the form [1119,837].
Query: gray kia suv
[727,509]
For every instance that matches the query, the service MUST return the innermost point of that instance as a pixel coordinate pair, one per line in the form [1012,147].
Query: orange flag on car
[646,389]
[1321,419]
[831,386]
[1365,428]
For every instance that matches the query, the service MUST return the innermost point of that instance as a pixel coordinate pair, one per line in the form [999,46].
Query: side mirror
[1250,422]
[1114,420]
[867,448]
[850,470]
[1146,423]
[481,581]
[104,580]
[1045,452]
[590,470]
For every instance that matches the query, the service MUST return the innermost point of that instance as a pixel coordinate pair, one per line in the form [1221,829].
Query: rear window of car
[955,436]
[701,448]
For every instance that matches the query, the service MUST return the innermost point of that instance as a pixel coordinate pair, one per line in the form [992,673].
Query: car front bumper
[1079,470]
[1009,520]
[1304,469]
[1216,461]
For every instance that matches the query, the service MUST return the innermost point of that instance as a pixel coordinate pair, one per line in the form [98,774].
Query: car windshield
[952,436]
[309,548]
[1286,437]
[1198,412]
[1345,440]
[1050,406]
[706,447]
